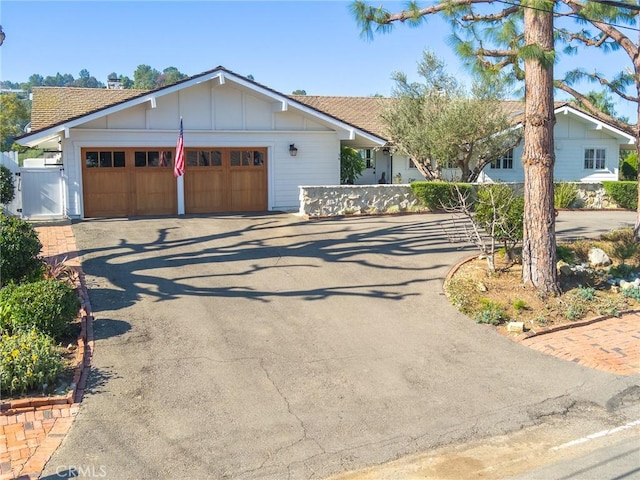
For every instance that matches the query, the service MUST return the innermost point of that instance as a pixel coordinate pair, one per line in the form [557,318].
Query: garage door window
[204,158]
[247,158]
[153,158]
[104,159]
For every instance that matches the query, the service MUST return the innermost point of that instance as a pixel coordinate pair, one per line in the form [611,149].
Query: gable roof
[58,109]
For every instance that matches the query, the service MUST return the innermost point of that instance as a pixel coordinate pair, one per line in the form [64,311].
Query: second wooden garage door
[225,180]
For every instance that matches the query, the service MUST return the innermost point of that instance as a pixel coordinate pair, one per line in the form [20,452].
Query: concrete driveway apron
[269,346]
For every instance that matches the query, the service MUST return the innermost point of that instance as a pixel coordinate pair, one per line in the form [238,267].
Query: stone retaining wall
[336,200]
[329,201]
[591,196]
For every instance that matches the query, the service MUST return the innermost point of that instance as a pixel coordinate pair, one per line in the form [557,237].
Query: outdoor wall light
[293,151]
[385,151]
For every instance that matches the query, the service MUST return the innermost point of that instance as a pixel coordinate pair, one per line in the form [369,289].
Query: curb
[84,354]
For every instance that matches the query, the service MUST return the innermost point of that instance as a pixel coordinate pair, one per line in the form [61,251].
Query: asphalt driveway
[273,347]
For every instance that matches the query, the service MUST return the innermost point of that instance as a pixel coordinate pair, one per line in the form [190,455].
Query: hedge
[438,195]
[625,194]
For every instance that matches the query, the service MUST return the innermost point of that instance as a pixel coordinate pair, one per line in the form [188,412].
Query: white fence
[39,190]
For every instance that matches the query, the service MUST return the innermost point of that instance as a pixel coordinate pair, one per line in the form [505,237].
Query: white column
[180,190]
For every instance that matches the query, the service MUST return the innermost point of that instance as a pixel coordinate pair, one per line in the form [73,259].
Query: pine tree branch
[593,110]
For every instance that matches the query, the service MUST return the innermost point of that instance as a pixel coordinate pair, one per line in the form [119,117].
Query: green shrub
[632,293]
[462,293]
[564,195]
[625,194]
[351,165]
[28,360]
[498,208]
[519,305]
[565,253]
[436,195]
[611,306]
[19,250]
[49,306]
[491,313]
[7,188]
[629,167]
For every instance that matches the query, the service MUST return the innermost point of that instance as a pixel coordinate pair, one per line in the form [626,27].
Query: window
[104,159]
[505,161]
[246,158]
[594,158]
[367,157]
[202,158]
[153,158]
[412,163]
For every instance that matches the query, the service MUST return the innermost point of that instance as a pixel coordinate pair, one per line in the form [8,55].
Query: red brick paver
[611,345]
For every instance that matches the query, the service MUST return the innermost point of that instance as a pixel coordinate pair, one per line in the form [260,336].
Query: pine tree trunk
[538,158]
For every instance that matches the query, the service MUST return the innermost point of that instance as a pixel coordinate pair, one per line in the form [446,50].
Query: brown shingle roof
[53,105]
[361,112]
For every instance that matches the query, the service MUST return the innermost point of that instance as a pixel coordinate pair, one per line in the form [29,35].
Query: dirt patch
[500,297]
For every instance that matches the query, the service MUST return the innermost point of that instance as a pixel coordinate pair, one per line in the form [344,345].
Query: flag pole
[178,170]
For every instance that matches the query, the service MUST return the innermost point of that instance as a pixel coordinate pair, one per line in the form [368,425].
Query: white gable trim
[598,124]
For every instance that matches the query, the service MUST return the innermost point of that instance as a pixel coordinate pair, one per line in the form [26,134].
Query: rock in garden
[516,327]
[597,258]
[564,268]
[482,287]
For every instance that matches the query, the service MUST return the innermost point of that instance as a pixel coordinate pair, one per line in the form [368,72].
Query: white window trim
[606,156]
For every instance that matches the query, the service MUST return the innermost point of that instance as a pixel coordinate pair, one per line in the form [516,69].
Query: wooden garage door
[225,180]
[128,182]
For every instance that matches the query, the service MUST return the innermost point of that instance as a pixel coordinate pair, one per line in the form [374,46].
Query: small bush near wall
[435,195]
[625,194]
[19,250]
[28,360]
[49,306]
[564,195]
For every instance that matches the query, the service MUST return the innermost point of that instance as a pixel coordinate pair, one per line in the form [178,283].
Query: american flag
[178,170]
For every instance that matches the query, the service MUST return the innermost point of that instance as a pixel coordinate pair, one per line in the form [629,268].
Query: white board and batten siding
[214,115]
[572,135]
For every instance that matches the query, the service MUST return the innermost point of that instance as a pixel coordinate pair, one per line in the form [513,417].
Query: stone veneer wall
[334,200]
[591,196]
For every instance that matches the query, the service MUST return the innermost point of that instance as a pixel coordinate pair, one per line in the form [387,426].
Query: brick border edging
[543,330]
[84,355]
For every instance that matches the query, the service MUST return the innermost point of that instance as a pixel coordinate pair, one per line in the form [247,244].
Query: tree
[14,116]
[351,165]
[169,76]
[299,92]
[7,187]
[145,77]
[436,123]
[519,37]
[85,80]
[600,100]
[608,17]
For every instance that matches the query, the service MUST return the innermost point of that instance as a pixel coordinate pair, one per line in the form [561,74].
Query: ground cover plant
[587,291]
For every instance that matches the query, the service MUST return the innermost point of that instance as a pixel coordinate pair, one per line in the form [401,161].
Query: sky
[285,45]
